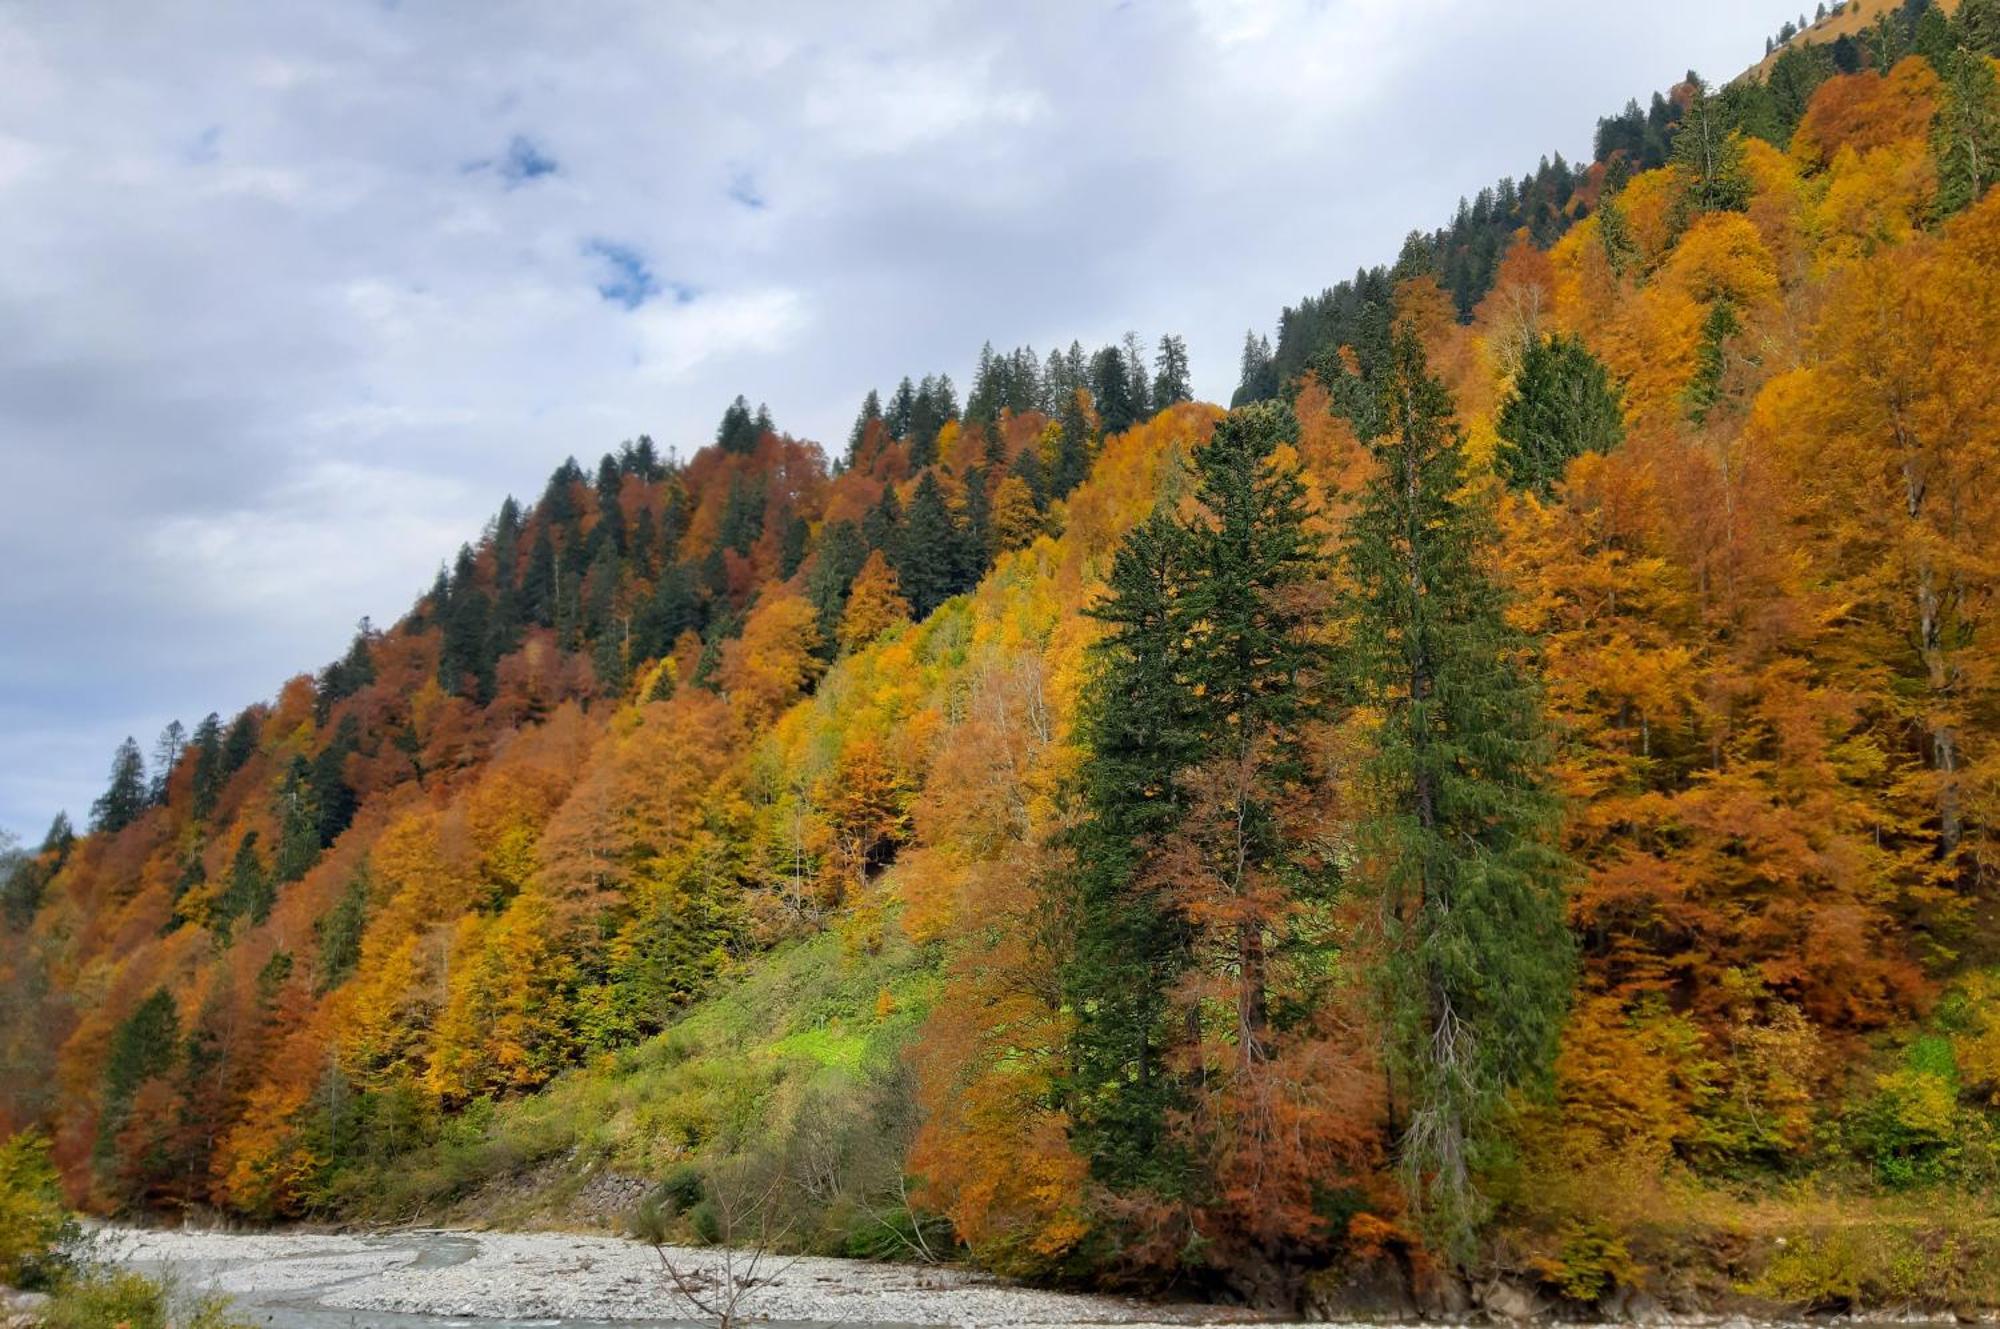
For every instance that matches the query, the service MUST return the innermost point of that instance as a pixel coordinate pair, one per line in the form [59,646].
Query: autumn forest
[1517,794]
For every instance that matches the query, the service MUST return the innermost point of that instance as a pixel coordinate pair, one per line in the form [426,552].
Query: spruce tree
[126,796]
[1170,373]
[208,772]
[250,892]
[1111,391]
[145,1044]
[298,822]
[241,742]
[1211,664]
[1130,944]
[1561,406]
[1965,137]
[871,413]
[1459,837]
[1074,450]
[738,432]
[167,751]
[1709,153]
[932,563]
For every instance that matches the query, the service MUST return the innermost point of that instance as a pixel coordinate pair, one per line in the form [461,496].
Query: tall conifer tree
[1459,835]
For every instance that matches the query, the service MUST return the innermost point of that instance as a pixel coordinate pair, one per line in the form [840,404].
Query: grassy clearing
[796,1066]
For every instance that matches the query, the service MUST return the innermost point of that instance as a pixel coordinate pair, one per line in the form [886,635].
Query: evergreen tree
[126,797]
[466,660]
[932,563]
[610,527]
[541,579]
[1259,373]
[738,432]
[838,558]
[1965,137]
[1136,387]
[298,823]
[1708,151]
[673,608]
[167,751]
[144,1046]
[1170,373]
[1711,360]
[349,674]
[902,409]
[1075,449]
[250,892]
[1561,406]
[208,772]
[23,879]
[1211,663]
[1027,467]
[1976,27]
[882,526]
[1459,837]
[59,840]
[1130,942]
[871,413]
[332,796]
[241,742]
[338,934]
[1111,391]
[1931,38]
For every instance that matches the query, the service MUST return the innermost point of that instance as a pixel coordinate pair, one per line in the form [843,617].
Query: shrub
[97,1298]
[37,1234]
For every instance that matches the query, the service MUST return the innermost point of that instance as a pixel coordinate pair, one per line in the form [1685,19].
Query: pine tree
[1458,840]
[1561,406]
[127,796]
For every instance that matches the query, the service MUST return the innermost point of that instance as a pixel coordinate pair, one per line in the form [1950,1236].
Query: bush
[98,1298]
[37,1234]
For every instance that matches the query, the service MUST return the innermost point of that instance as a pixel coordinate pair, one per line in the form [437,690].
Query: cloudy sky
[292,295]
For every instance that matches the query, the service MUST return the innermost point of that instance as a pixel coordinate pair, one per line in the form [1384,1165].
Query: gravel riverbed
[418,1277]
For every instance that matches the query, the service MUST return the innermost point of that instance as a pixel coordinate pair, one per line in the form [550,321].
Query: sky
[293,295]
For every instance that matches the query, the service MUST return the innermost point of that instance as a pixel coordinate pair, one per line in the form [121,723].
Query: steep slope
[779,814]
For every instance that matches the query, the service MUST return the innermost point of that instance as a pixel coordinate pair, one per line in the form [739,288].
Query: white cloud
[268,351]
[675,339]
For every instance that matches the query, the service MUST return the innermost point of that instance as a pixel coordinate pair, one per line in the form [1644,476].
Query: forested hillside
[1516,795]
